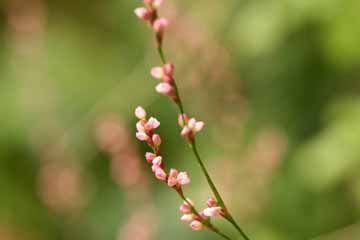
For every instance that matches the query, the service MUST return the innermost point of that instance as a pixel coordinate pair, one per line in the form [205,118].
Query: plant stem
[233,222]
[193,146]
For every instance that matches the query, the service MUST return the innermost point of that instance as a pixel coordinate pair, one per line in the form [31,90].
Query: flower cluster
[189,126]
[149,14]
[174,179]
[198,220]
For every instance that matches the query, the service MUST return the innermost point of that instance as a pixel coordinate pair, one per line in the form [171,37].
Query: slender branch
[233,222]
[193,146]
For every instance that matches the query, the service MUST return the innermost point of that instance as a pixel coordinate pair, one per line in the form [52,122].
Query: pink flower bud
[213,211]
[157,72]
[152,123]
[184,208]
[157,161]
[192,123]
[156,140]
[149,156]
[142,136]
[140,126]
[196,225]
[185,131]
[187,217]
[199,126]
[211,202]
[183,119]
[160,24]
[173,173]
[140,113]
[168,68]
[164,88]
[160,174]
[172,179]
[143,13]
[183,178]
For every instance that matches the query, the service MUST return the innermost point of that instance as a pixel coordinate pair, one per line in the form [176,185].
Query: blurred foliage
[266,76]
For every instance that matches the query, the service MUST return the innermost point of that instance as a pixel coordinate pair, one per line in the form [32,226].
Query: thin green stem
[233,222]
[193,146]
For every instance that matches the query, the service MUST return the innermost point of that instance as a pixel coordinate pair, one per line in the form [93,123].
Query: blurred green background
[276,81]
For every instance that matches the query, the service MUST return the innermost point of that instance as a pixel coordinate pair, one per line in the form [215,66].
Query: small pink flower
[185,208]
[199,126]
[149,156]
[160,24]
[143,13]
[213,211]
[172,179]
[196,225]
[151,124]
[157,161]
[211,202]
[183,119]
[190,128]
[187,217]
[156,140]
[168,68]
[140,113]
[142,136]
[183,178]
[157,72]
[185,131]
[140,126]
[192,123]
[160,174]
[164,88]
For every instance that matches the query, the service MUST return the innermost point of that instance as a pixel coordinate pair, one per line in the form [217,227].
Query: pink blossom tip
[164,88]
[142,136]
[168,68]
[157,161]
[152,123]
[160,24]
[172,179]
[213,211]
[143,13]
[149,156]
[183,119]
[185,131]
[187,217]
[140,113]
[140,126]
[196,225]
[157,72]
[156,140]
[183,178]
[185,208]
[160,174]
[211,202]
[199,126]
